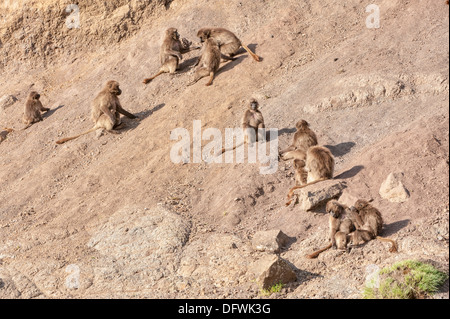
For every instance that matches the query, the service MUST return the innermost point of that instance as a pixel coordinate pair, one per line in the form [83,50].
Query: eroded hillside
[116,214]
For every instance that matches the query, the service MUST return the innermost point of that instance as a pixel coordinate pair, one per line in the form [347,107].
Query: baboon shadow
[390,229]
[51,112]
[341,149]
[286,131]
[186,65]
[271,137]
[231,65]
[131,124]
[350,173]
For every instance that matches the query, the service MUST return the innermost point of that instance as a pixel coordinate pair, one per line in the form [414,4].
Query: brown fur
[304,138]
[228,42]
[252,121]
[209,62]
[369,223]
[4,132]
[339,228]
[319,166]
[106,110]
[171,52]
[298,158]
[301,175]
[33,109]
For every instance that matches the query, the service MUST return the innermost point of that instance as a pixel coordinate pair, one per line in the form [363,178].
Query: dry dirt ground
[111,216]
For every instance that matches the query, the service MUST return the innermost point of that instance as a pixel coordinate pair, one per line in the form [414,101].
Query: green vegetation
[272,290]
[407,280]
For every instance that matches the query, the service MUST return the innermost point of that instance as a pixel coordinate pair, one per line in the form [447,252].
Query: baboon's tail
[223,150]
[64,140]
[147,81]
[394,247]
[317,253]
[254,56]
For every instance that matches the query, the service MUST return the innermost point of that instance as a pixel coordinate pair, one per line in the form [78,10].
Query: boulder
[393,189]
[270,241]
[273,270]
[315,195]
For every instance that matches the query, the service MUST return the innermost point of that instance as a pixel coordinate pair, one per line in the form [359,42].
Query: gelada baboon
[171,53]
[228,42]
[304,138]
[339,227]
[319,166]
[4,132]
[106,110]
[33,109]
[252,125]
[298,158]
[369,223]
[209,62]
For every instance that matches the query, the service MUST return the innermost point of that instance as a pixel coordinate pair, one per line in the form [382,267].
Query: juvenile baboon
[339,228]
[4,132]
[209,62]
[369,223]
[33,109]
[252,124]
[171,53]
[106,110]
[301,175]
[304,138]
[228,42]
[319,166]
[299,162]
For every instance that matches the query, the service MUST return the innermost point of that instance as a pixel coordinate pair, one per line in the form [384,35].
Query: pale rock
[7,101]
[393,189]
[270,241]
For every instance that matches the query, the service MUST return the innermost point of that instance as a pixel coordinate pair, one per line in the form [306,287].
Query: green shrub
[406,280]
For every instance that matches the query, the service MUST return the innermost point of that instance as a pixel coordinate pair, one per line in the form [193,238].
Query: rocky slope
[113,216]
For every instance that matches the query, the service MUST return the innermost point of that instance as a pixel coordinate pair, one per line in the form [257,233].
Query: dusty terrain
[110,216]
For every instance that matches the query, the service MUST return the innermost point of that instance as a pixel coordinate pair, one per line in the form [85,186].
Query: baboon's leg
[200,74]
[230,49]
[211,78]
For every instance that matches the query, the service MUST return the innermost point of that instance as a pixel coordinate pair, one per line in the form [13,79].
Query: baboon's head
[34,95]
[298,164]
[113,87]
[360,204]
[302,125]
[173,33]
[254,105]
[204,34]
[334,209]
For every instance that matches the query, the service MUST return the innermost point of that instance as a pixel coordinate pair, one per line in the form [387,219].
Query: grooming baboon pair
[312,163]
[353,226]
[219,44]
